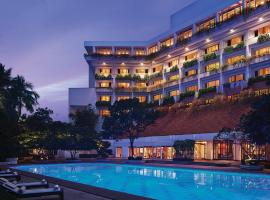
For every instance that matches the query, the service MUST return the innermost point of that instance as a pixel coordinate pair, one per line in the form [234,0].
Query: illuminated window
[212,49]
[104,113]
[122,51]
[263,30]
[105,98]
[236,78]
[157,69]
[262,52]
[236,59]
[191,56]
[191,72]
[157,82]
[122,98]
[173,63]
[141,71]
[212,84]
[152,49]
[174,77]
[211,67]
[192,88]
[105,84]
[264,71]
[142,99]
[139,51]
[229,14]
[256,3]
[174,93]
[207,25]
[123,85]
[140,85]
[235,41]
[123,71]
[167,43]
[157,97]
[104,51]
[185,35]
[105,71]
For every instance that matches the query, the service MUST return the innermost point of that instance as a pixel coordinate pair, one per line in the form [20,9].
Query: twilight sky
[43,39]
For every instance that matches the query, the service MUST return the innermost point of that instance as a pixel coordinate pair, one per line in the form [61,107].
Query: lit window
[123,71]
[105,84]
[262,52]
[105,71]
[142,99]
[212,49]
[104,51]
[191,56]
[139,51]
[122,51]
[140,85]
[229,14]
[264,71]
[264,30]
[212,84]
[122,98]
[211,67]
[174,77]
[104,113]
[184,35]
[236,59]
[235,41]
[207,25]
[191,72]
[123,85]
[157,97]
[167,43]
[152,49]
[192,88]
[236,78]
[105,98]
[173,63]
[174,93]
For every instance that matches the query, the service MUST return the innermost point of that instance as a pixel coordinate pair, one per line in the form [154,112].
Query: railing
[103,89]
[123,89]
[242,84]
[235,66]
[189,78]
[260,59]
[171,83]
[205,74]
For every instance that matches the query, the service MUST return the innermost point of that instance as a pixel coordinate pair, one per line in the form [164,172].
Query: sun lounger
[22,192]
[38,184]
[13,176]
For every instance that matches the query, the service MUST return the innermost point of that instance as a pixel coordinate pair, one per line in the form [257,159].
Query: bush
[102,77]
[103,103]
[174,69]
[168,101]
[209,57]
[231,49]
[126,77]
[184,149]
[135,158]
[156,75]
[227,85]
[6,195]
[263,38]
[207,90]
[186,94]
[190,63]
[251,81]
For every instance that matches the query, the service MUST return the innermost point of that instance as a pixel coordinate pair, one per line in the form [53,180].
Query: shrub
[135,158]
[231,49]
[207,90]
[187,94]
[184,150]
[126,77]
[156,75]
[174,69]
[190,63]
[263,38]
[88,155]
[209,57]
[102,77]
[251,81]
[168,101]
[227,85]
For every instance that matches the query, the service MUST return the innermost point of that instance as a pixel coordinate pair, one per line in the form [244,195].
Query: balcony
[155,87]
[103,89]
[103,103]
[103,77]
[171,83]
[209,73]
[231,49]
[137,89]
[242,63]
[260,59]
[119,89]
[189,78]
[189,64]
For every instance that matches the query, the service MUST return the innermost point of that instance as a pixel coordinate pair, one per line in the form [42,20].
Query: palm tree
[5,78]
[22,95]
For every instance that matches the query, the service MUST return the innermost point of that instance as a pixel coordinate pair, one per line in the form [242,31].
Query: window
[123,71]
[206,25]
[142,99]
[123,85]
[105,98]
[122,98]
[262,52]
[235,41]
[157,97]
[118,152]
[152,49]
[173,63]
[230,14]
[212,84]
[191,56]
[212,67]
[105,84]
[122,51]
[104,51]
[236,78]
[140,85]
[256,3]
[184,35]
[212,49]
[157,82]
[192,88]
[105,71]
[157,69]
[141,71]
[174,77]
[264,71]
[174,93]
[191,72]
[167,43]
[236,59]
[139,51]
[104,113]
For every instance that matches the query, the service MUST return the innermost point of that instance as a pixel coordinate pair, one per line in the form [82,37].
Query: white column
[221,46]
[174,38]
[200,58]
[194,29]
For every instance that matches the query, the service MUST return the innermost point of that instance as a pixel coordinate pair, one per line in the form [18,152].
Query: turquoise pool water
[160,182]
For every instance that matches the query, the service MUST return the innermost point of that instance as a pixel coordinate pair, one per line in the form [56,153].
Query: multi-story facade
[218,48]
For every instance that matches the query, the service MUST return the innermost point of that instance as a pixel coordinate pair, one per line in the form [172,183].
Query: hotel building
[212,47]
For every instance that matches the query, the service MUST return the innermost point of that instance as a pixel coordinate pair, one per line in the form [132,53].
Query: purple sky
[43,39]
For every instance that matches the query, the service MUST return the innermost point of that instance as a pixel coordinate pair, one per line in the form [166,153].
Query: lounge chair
[22,192]
[8,171]
[30,185]
[13,175]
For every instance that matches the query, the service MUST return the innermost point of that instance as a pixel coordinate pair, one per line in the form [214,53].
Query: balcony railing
[189,78]
[260,59]
[103,89]
[171,83]
[234,66]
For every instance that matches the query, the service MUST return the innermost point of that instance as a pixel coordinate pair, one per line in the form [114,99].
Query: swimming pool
[160,182]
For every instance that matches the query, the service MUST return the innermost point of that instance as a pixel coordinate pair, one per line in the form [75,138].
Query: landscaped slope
[204,119]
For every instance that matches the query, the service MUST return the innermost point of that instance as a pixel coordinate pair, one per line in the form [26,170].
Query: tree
[256,124]
[184,149]
[81,134]
[128,118]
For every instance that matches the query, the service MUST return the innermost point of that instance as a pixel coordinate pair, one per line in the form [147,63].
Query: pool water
[161,182]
